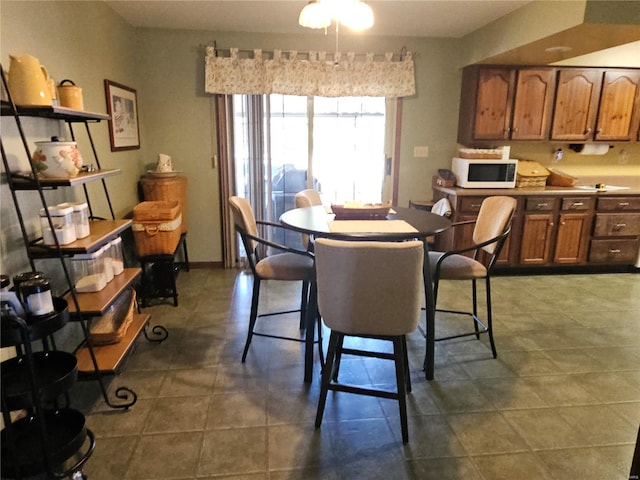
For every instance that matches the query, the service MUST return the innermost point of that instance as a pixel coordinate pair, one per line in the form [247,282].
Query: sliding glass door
[284,144]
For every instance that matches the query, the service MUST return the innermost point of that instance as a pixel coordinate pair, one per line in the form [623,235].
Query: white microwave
[485,173]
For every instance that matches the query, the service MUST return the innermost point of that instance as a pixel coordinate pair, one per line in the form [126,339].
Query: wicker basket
[531,174]
[174,188]
[480,153]
[157,238]
[112,326]
[560,179]
[156,211]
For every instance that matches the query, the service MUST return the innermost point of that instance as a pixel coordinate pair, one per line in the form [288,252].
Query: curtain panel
[319,74]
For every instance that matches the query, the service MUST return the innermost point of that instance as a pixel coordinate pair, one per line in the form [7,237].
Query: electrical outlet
[420,152]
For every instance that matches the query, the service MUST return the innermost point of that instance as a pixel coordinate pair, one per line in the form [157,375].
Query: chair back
[494,219]
[244,221]
[308,198]
[369,288]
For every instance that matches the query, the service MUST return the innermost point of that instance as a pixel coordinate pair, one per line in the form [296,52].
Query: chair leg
[304,302]
[474,291]
[405,355]
[489,319]
[310,314]
[334,339]
[336,368]
[320,350]
[401,383]
[253,317]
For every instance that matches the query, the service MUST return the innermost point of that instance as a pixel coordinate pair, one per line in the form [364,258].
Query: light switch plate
[420,152]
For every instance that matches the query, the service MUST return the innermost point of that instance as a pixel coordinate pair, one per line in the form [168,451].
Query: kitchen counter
[631,187]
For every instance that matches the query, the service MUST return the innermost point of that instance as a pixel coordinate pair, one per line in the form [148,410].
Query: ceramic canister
[70,95]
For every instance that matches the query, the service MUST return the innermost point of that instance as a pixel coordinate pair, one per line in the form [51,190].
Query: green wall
[176,117]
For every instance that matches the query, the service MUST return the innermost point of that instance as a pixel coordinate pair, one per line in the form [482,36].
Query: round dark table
[314,221]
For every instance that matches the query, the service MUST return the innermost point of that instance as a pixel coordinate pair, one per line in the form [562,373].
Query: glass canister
[80,217]
[117,257]
[62,220]
[88,272]
[36,294]
[23,277]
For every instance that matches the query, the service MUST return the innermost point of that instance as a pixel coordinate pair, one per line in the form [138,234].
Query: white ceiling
[420,18]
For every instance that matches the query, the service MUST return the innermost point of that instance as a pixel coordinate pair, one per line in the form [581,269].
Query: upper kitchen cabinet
[619,112]
[576,104]
[505,103]
[596,104]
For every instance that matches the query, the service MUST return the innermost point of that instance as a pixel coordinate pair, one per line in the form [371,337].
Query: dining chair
[307,198]
[289,265]
[476,261]
[370,290]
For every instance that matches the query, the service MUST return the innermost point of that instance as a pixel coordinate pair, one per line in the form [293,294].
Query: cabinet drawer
[610,204]
[613,251]
[578,203]
[617,224]
[539,204]
[470,204]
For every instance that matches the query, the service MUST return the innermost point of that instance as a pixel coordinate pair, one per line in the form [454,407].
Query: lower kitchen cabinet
[553,227]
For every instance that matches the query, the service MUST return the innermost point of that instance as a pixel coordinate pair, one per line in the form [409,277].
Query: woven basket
[560,179]
[174,188]
[112,326]
[531,174]
[156,211]
[157,238]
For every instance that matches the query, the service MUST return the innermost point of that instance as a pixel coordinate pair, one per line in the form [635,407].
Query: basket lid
[529,168]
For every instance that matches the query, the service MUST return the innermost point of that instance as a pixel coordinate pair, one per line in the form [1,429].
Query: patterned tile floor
[561,401]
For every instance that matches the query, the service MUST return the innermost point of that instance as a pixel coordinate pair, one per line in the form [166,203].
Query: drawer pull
[475,205]
[614,250]
[577,204]
[623,204]
[542,205]
[620,226]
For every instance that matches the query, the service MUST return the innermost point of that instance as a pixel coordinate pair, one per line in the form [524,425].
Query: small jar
[117,257]
[23,277]
[62,221]
[36,294]
[88,272]
[80,217]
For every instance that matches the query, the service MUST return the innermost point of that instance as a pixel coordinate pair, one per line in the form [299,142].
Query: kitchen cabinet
[505,103]
[619,112]
[616,231]
[576,104]
[553,229]
[94,362]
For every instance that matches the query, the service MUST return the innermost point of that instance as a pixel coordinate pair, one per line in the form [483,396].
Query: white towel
[442,207]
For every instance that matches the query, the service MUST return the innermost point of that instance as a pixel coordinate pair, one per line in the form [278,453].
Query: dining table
[400,224]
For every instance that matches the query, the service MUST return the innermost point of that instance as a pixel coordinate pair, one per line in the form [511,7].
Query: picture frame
[122,107]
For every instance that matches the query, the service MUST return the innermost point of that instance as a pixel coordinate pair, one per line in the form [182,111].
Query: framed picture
[122,107]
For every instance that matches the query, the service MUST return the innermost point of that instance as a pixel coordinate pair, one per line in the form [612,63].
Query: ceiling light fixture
[353,14]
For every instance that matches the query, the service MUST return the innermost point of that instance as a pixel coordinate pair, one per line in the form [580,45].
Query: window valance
[319,74]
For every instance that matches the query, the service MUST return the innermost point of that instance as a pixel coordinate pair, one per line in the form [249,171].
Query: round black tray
[66,432]
[55,372]
[39,326]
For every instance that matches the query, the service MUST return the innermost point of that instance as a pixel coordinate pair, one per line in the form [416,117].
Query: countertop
[631,182]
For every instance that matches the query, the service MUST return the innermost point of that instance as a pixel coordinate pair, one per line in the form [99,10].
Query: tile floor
[561,401]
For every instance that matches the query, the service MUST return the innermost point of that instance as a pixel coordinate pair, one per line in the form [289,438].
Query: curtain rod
[401,55]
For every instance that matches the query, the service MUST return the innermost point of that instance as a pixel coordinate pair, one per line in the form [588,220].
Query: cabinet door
[572,238]
[493,103]
[576,104]
[619,111]
[535,244]
[533,103]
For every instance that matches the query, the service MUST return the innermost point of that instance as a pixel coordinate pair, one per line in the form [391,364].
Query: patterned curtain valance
[320,74]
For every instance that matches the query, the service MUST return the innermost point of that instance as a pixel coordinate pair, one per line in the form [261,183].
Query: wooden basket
[560,179]
[156,238]
[112,326]
[531,174]
[163,210]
